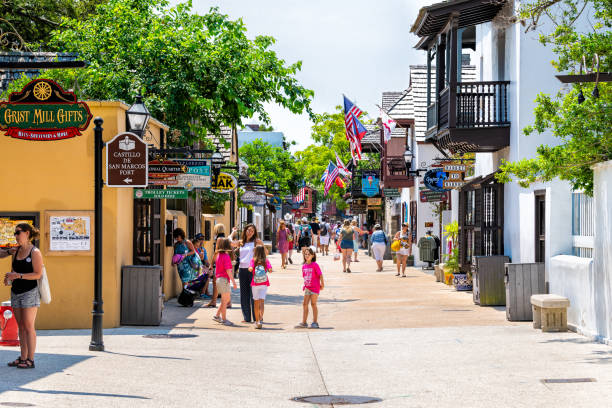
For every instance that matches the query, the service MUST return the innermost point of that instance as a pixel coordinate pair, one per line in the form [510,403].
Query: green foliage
[195,72]
[584,130]
[451,231]
[214,201]
[33,20]
[452,261]
[269,165]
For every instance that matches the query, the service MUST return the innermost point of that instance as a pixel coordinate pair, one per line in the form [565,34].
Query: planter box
[488,277]
[462,282]
[522,281]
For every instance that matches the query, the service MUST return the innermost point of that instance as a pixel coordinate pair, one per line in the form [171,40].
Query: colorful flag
[332,174]
[342,168]
[353,128]
[388,124]
[324,176]
[340,183]
[301,194]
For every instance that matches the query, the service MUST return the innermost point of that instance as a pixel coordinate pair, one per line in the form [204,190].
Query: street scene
[283,204]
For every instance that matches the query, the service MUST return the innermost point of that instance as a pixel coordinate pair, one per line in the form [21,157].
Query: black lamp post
[138,117]
[273,224]
[217,161]
[408,158]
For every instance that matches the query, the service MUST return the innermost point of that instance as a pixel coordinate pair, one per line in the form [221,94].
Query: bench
[550,312]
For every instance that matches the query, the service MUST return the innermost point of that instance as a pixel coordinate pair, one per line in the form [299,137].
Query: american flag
[301,195]
[332,174]
[354,128]
[342,168]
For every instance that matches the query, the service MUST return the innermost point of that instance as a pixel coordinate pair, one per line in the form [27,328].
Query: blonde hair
[219,229]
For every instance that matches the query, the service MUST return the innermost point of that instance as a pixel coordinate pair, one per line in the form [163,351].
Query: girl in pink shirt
[259,267]
[313,284]
[224,272]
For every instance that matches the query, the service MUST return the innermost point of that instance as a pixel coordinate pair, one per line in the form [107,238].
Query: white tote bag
[43,287]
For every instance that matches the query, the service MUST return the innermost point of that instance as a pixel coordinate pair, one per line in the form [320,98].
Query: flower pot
[462,282]
[448,276]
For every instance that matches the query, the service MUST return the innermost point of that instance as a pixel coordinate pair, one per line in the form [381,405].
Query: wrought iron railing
[432,115]
[482,104]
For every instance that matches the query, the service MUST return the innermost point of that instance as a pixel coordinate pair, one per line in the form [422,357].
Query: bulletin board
[8,222]
[69,233]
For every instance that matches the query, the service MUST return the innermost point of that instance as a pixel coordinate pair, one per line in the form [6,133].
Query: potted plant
[451,266]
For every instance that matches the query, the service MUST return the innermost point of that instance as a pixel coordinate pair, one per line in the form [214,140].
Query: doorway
[540,226]
[147,243]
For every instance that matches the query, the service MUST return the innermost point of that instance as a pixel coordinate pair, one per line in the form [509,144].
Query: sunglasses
[17,232]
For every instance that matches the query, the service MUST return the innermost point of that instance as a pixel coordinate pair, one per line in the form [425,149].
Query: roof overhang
[432,19]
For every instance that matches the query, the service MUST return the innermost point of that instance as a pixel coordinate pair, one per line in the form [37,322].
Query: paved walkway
[409,341]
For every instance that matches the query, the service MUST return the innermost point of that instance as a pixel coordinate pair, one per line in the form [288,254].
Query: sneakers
[227,323]
[314,325]
[217,319]
[290,261]
[301,326]
[258,325]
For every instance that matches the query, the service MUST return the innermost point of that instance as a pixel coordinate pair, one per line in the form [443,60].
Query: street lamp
[217,161]
[138,117]
[408,157]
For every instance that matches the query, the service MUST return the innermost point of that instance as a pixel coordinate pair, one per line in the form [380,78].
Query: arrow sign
[127,161]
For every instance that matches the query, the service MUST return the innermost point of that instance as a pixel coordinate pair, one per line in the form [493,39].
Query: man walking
[314,225]
[324,236]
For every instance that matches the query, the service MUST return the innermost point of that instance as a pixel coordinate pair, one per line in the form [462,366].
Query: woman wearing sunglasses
[25,298]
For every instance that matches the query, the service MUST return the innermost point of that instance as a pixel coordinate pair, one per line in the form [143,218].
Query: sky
[359,48]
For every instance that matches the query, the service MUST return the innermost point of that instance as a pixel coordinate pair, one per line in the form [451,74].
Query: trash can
[488,280]
[522,281]
[141,295]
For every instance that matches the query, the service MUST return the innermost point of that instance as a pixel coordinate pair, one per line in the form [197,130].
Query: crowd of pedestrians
[243,257]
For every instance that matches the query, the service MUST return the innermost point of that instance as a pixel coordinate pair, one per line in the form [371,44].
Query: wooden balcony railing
[482,104]
[432,115]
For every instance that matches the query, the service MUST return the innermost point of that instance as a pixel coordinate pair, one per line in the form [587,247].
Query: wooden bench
[550,312]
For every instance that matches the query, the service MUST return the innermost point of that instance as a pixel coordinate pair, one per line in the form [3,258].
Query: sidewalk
[409,341]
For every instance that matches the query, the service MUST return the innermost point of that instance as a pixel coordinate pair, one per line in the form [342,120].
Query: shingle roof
[389,98]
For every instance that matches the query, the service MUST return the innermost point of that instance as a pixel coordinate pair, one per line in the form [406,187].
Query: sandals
[27,363]
[16,362]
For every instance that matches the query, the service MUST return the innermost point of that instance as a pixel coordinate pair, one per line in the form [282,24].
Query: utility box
[141,295]
[488,280]
[522,281]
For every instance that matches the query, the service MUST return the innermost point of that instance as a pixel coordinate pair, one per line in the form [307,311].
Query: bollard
[8,324]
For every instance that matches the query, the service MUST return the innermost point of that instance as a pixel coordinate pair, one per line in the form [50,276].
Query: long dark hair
[244,234]
[259,256]
[32,231]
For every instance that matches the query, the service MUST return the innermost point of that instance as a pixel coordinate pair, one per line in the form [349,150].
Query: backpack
[186,298]
[306,232]
[323,229]
[260,274]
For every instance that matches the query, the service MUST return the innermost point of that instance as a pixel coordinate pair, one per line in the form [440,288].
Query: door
[540,226]
[147,242]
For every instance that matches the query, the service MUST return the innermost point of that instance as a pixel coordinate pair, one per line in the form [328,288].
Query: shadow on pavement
[276,299]
[144,356]
[81,393]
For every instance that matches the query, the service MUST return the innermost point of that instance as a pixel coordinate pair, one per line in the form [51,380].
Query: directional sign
[195,166]
[391,192]
[201,170]
[455,167]
[225,183]
[191,181]
[453,184]
[178,194]
[165,168]
[163,182]
[126,161]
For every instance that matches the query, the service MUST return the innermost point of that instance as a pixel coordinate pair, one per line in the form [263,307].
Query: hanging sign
[430,196]
[369,184]
[434,179]
[195,166]
[165,168]
[177,194]
[277,202]
[43,111]
[250,197]
[224,183]
[391,192]
[191,181]
[127,157]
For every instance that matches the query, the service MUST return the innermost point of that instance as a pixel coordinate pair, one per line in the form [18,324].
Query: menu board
[7,230]
[69,233]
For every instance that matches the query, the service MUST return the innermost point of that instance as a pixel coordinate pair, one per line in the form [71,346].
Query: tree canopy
[196,72]
[585,129]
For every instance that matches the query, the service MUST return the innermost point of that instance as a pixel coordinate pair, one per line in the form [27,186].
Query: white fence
[583,225]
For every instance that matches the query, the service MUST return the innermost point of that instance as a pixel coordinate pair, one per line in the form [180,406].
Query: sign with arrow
[127,161]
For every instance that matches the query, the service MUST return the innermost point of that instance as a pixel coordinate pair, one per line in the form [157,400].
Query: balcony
[474,118]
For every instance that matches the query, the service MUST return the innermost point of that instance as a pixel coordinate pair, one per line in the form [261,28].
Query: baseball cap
[199,237]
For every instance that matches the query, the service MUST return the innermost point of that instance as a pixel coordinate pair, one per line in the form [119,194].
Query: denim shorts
[31,298]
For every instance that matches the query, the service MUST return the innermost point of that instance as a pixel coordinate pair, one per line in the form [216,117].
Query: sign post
[97,343]
[127,157]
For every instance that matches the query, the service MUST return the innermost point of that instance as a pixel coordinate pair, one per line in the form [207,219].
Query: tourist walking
[405,249]
[305,234]
[224,272]
[219,233]
[187,262]
[313,284]
[247,245]
[346,236]
[282,242]
[316,229]
[259,267]
[291,239]
[378,240]
[356,232]
[27,268]
[324,236]
[198,244]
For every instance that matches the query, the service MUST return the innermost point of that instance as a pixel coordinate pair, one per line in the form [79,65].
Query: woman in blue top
[189,266]
[379,246]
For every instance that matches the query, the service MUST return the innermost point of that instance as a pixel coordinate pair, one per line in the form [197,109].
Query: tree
[33,21]
[585,129]
[196,72]
[269,165]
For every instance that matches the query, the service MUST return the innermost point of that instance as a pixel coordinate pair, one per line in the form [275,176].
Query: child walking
[259,267]
[313,284]
[224,272]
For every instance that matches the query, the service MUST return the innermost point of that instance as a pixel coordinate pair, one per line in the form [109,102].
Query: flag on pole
[388,124]
[324,176]
[342,168]
[340,183]
[353,128]
[301,194]
[332,174]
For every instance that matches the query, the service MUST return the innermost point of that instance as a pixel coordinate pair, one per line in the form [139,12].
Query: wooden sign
[43,111]
[165,169]
[127,157]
